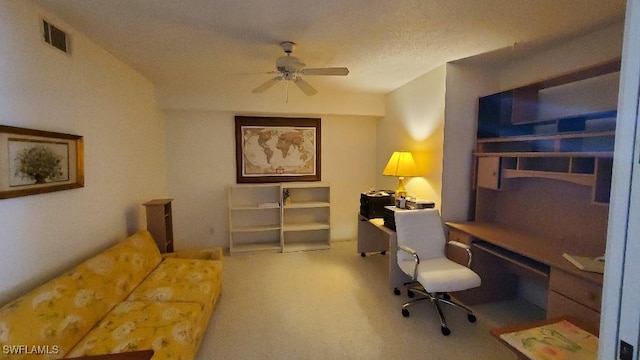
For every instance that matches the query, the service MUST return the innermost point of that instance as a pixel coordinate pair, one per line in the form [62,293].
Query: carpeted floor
[332,304]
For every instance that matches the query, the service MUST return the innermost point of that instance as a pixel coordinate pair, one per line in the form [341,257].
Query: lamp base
[401,191]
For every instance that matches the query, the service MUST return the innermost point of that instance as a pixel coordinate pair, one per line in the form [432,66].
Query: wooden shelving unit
[305,216]
[160,223]
[258,222]
[590,168]
[513,143]
[254,218]
[583,158]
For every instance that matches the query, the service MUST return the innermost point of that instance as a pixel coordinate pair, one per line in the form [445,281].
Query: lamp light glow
[401,164]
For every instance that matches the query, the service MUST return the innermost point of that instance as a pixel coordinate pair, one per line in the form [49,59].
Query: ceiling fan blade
[269,83]
[340,71]
[305,87]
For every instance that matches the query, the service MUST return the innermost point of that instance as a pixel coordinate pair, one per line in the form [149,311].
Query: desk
[502,254]
[373,236]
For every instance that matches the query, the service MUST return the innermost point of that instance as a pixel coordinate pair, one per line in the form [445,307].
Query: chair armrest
[408,250]
[465,247]
[416,258]
[203,254]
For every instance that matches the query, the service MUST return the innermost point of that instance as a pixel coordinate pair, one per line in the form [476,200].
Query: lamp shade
[401,164]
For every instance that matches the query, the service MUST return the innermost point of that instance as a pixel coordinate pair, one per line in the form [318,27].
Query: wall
[272,101]
[594,48]
[465,83]
[201,160]
[414,121]
[88,93]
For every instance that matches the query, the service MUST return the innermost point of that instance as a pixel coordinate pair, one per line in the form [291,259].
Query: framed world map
[276,149]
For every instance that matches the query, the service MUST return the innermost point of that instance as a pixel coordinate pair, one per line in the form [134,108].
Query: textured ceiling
[203,44]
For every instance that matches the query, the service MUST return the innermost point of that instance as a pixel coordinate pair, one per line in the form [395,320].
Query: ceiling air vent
[54,36]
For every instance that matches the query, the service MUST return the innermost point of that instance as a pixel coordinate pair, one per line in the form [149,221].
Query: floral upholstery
[183,280]
[172,329]
[204,254]
[62,311]
[59,314]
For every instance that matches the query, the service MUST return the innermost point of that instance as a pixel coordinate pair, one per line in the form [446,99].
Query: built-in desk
[501,255]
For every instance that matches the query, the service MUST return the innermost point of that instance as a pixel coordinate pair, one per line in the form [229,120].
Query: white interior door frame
[620,318]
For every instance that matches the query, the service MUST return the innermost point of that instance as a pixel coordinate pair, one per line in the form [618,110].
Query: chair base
[436,299]
[396,291]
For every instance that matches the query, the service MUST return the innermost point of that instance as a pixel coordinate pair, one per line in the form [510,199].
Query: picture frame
[277,149]
[36,161]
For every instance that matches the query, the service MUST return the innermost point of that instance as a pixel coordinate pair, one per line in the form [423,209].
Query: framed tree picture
[276,149]
[36,161]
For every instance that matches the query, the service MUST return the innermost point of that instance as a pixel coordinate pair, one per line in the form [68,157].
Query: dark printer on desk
[411,204]
[372,203]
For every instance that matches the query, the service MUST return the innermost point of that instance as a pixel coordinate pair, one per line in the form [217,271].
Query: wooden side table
[160,223]
[135,355]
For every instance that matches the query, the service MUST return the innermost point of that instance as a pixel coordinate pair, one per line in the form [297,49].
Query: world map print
[276,151]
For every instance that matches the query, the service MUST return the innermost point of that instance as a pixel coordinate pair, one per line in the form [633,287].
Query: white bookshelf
[255,223]
[261,221]
[306,216]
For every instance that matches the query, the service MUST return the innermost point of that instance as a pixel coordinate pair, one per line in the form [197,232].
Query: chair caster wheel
[396,291]
[405,312]
[471,318]
[383,253]
[410,293]
[363,254]
[445,331]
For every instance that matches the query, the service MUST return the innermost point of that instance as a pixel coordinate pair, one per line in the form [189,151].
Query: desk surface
[536,248]
[379,223]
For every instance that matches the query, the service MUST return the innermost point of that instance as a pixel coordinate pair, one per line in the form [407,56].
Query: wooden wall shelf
[581,158]
[596,142]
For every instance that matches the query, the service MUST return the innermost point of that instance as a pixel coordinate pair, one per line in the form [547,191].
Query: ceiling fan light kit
[289,68]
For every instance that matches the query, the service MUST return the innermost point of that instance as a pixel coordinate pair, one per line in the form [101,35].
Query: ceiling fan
[289,68]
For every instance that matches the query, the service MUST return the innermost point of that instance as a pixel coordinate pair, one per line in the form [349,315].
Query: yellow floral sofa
[127,298]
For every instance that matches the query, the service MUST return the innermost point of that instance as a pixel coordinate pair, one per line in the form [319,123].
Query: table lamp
[401,164]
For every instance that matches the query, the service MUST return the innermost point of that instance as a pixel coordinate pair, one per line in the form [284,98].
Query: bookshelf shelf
[259,223]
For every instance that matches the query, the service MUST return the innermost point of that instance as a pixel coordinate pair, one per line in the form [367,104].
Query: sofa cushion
[125,265]
[60,312]
[178,279]
[172,329]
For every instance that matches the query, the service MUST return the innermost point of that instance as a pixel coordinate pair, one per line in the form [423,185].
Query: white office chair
[421,255]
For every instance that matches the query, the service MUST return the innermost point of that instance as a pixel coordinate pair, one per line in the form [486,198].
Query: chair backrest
[421,230]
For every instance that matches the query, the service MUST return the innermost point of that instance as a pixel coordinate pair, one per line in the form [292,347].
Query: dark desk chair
[421,255]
